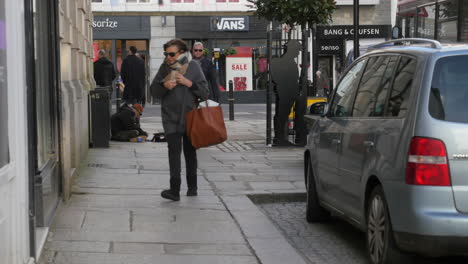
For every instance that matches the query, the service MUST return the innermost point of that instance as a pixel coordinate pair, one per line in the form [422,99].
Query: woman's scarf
[179,66]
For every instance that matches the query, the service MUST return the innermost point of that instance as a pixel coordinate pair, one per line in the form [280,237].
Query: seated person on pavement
[125,124]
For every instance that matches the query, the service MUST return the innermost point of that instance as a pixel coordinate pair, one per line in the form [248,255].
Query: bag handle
[182,108]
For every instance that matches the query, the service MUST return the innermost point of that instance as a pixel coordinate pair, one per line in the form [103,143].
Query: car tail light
[427,163]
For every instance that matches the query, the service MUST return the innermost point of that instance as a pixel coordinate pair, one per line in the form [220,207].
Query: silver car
[390,152]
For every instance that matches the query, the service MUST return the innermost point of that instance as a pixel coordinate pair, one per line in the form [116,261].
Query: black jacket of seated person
[125,125]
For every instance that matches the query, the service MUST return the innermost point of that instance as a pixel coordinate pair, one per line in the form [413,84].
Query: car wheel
[381,246]
[314,211]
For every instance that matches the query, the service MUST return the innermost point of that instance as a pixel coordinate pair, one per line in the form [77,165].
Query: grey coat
[173,111]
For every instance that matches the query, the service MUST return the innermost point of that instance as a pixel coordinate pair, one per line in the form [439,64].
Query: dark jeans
[174,145]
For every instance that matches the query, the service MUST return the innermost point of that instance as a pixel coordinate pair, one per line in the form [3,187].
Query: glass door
[325,66]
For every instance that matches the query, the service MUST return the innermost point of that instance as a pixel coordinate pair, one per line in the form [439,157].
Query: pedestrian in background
[104,71]
[133,75]
[178,83]
[208,70]
[322,86]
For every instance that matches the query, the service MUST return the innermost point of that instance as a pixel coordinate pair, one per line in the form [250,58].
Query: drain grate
[235,146]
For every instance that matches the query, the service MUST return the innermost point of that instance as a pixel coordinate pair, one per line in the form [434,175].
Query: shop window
[407,25]
[447,26]
[138,1]
[105,45]
[96,1]
[4,158]
[45,113]
[182,1]
[426,21]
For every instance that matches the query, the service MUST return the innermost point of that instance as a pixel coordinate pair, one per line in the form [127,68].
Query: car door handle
[368,144]
[336,141]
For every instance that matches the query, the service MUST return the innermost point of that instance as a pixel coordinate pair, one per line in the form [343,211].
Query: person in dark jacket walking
[104,71]
[133,74]
[178,83]
[125,124]
[208,70]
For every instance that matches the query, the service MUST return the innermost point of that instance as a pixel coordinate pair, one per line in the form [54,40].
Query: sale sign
[239,71]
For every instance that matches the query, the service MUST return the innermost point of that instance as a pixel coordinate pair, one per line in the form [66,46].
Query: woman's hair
[181,45]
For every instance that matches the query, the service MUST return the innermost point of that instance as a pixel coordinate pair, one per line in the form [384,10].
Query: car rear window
[448,100]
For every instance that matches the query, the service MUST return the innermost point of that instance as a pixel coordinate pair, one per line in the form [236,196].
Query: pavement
[116,214]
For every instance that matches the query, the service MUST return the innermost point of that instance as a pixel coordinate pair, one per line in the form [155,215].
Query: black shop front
[335,42]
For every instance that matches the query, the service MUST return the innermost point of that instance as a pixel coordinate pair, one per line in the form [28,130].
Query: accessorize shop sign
[121,27]
[106,23]
[240,23]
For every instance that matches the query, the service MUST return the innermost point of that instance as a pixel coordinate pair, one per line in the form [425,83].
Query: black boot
[168,194]
[192,192]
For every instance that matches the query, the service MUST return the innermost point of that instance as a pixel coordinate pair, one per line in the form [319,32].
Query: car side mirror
[326,108]
[318,108]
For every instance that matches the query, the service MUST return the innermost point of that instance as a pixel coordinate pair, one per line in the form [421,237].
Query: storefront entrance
[115,34]
[325,67]
[117,50]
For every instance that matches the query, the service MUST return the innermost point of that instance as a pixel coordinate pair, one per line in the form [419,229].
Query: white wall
[154,6]
[160,34]
[14,228]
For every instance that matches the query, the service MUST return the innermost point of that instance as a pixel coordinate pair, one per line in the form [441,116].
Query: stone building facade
[45,79]
[76,57]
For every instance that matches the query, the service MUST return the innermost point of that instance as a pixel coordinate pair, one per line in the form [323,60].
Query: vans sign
[229,23]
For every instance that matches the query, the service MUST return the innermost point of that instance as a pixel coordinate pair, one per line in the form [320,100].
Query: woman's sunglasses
[170,54]
[198,50]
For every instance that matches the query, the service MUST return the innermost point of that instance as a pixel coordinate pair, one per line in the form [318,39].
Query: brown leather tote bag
[205,126]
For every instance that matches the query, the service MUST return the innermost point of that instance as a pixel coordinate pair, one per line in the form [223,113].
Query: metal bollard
[231,101]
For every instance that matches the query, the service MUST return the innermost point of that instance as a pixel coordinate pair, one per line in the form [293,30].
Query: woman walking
[178,83]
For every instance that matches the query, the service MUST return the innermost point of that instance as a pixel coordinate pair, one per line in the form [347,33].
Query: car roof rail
[434,43]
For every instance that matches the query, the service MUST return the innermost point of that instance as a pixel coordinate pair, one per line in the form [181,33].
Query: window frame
[384,116]
[5,155]
[432,80]
[330,111]
[413,90]
[392,80]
